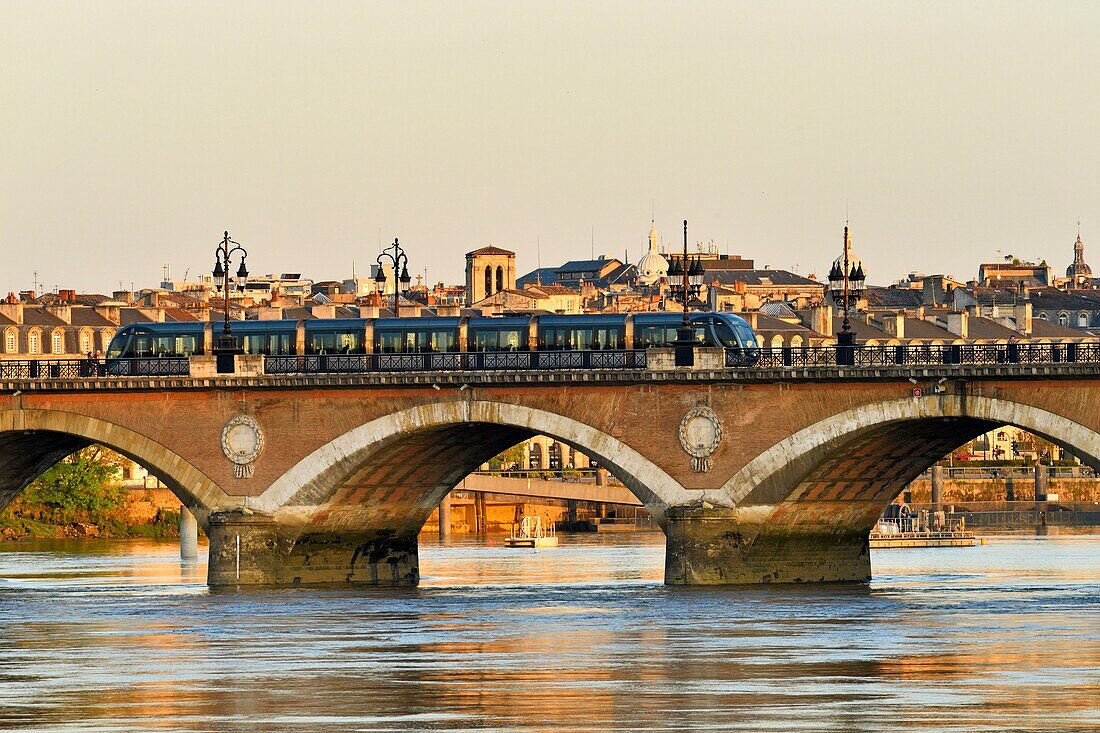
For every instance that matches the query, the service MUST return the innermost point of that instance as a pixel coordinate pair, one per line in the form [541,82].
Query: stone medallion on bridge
[700,434]
[242,443]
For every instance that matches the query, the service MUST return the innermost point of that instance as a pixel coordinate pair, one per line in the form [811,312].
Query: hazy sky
[134,133]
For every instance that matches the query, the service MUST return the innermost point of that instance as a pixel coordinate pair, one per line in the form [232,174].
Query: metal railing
[922,355]
[22,369]
[618,359]
[472,361]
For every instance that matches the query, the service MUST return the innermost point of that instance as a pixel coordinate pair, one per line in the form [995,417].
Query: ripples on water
[109,636]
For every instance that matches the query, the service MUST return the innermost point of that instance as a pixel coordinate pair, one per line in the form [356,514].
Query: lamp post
[226,347]
[846,285]
[690,273]
[396,255]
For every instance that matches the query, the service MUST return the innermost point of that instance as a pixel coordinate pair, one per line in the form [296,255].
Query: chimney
[1022,315]
[110,312]
[12,311]
[448,311]
[269,313]
[323,311]
[894,324]
[821,319]
[368,311]
[959,324]
[63,311]
[155,314]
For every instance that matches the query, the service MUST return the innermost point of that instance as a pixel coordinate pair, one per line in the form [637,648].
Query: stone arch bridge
[755,475]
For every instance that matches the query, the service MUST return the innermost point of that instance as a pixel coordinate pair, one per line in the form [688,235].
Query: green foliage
[87,481]
[513,455]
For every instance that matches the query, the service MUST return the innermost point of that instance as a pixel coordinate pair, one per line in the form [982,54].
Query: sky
[132,134]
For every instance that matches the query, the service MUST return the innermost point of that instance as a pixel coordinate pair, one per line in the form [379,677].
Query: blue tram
[439,335]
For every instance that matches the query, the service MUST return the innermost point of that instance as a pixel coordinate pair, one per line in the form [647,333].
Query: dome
[1079,268]
[653,266]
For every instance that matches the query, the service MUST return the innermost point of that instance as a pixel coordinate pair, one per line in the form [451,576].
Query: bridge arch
[391,472]
[870,451]
[31,441]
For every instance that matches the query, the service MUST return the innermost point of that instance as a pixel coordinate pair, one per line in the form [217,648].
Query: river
[117,636]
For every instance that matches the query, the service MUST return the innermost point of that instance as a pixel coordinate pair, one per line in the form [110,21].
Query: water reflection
[118,636]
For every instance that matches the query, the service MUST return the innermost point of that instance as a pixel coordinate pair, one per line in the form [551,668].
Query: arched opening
[823,488]
[387,476]
[33,441]
[500,278]
[488,281]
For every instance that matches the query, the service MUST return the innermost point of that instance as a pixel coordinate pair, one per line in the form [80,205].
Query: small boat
[901,527]
[532,534]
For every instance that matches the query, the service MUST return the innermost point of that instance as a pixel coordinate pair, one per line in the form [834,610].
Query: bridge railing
[18,369]
[921,355]
[473,361]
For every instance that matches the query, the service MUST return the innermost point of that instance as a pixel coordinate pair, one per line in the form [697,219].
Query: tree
[88,480]
[512,456]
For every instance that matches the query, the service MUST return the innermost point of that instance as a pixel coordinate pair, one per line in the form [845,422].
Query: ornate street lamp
[690,275]
[846,285]
[227,342]
[396,255]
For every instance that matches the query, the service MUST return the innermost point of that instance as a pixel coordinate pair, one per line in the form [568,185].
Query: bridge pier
[718,546]
[252,549]
[189,535]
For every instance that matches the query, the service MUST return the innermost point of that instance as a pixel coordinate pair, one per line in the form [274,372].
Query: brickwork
[798,458]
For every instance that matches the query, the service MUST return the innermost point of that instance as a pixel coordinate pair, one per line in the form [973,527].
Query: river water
[117,636]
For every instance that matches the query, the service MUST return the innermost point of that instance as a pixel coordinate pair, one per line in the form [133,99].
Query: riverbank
[144,513]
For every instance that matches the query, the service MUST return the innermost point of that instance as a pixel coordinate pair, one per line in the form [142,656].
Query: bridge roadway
[755,475]
[548,489]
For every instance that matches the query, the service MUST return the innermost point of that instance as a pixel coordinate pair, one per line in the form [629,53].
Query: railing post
[1071,353]
[787,356]
[1013,353]
[33,369]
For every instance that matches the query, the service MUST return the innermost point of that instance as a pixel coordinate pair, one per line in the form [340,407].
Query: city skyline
[314,134]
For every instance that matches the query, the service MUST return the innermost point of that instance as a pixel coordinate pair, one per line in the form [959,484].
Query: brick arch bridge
[352,464]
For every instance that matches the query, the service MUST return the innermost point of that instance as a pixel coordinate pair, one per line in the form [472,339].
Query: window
[1082,320]
[488,281]
[9,341]
[1063,319]
[500,278]
[85,342]
[555,457]
[534,461]
[57,342]
[34,343]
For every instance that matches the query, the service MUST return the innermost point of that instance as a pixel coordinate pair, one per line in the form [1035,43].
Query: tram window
[444,341]
[389,342]
[505,339]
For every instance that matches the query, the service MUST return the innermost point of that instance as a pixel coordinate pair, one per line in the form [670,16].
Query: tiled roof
[893,297]
[490,250]
[985,328]
[587,265]
[1041,328]
[778,309]
[1054,299]
[757,277]
[542,275]
[85,316]
[37,316]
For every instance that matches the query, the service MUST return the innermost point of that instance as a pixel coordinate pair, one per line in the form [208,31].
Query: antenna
[592,244]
